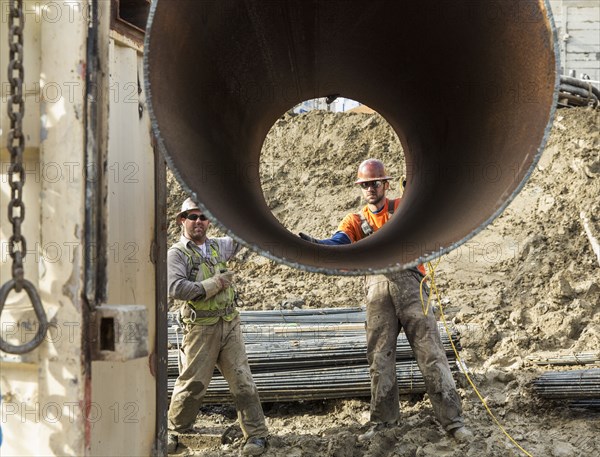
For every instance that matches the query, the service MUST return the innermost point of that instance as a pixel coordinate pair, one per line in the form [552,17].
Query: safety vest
[367,230]
[365,227]
[222,305]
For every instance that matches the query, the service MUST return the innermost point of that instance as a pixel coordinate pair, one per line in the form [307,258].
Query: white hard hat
[187,205]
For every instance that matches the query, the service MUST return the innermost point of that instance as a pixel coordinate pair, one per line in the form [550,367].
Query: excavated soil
[526,285]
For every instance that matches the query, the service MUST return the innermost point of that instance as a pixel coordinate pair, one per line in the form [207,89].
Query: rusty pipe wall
[469,87]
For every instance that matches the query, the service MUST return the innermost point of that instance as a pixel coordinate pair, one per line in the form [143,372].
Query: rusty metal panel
[44,391]
[130,270]
[55,394]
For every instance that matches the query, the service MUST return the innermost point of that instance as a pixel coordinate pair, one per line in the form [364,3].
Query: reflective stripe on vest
[203,268]
[367,230]
[365,227]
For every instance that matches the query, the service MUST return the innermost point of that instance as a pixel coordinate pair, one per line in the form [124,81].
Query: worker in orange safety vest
[394,303]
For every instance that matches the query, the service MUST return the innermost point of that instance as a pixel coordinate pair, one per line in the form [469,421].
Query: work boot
[373,430]
[462,434]
[254,446]
[172,442]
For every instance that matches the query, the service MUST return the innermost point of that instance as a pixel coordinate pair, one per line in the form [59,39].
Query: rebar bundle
[309,355]
[577,358]
[578,385]
[587,404]
[315,383]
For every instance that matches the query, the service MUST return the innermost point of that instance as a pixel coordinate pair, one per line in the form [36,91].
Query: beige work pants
[204,347]
[393,303]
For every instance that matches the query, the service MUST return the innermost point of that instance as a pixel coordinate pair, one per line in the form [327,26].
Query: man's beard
[197,236]
[377,201]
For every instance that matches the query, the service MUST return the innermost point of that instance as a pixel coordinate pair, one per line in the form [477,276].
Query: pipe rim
[548,16]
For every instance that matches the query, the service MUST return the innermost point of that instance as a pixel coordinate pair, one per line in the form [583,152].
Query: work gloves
[217,283]
[308,238]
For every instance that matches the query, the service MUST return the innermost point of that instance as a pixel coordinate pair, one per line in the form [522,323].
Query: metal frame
[160,356]
[131,27]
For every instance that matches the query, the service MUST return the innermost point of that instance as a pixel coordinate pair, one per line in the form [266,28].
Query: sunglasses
[374,184]
[194,217]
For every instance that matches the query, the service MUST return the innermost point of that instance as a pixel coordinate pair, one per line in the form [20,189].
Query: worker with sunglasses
[394,303]
[198,275]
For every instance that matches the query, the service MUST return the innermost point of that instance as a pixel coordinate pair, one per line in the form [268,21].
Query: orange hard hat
[371,170]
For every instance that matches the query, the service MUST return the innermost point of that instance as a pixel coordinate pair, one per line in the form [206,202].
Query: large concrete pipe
[468,86]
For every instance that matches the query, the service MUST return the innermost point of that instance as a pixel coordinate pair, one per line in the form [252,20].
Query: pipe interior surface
[469,87]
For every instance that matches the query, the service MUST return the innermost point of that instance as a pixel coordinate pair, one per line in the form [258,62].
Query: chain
[17,246]
[16,142]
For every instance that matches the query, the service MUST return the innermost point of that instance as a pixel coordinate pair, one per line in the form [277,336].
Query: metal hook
[39,312]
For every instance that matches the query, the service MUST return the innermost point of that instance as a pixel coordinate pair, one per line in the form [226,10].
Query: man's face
[196,229]
[374,191]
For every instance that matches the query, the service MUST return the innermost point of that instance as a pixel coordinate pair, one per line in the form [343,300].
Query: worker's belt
[196,313]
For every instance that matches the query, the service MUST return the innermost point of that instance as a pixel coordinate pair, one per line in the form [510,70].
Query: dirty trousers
[204,347]
[393,303]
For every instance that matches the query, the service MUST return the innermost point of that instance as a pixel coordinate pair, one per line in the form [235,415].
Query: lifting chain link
[17,246]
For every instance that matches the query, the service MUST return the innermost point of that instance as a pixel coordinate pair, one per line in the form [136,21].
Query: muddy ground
[526,285]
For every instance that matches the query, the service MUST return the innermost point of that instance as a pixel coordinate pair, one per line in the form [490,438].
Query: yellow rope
[430,275]
[434,289]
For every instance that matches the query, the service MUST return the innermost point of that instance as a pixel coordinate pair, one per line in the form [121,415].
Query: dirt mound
[545,292]
[529,282]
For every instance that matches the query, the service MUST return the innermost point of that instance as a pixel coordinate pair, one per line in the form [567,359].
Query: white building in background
[340,104]
[578,30]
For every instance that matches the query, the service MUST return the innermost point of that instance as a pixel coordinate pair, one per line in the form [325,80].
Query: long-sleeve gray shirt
[179,267]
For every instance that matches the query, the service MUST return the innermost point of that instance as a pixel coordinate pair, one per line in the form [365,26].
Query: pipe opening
[311,155]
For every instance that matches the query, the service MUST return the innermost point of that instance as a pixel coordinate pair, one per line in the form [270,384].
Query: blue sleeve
[336,239]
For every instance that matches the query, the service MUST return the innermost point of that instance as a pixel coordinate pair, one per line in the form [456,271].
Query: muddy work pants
[393,303]
[204,347]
